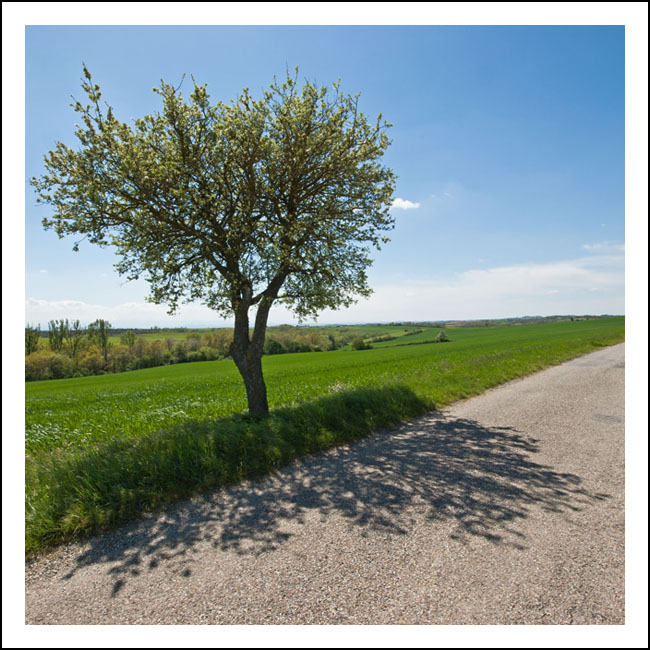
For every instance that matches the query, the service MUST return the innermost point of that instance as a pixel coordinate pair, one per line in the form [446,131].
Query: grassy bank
[74,494]
[103,449]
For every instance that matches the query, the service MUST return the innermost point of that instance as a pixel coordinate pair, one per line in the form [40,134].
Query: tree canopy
[237,205]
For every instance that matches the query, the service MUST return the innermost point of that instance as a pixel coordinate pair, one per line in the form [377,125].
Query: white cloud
[43,271]
[404,204]
[127,314]
[588,285]
[604,246]
[591,285]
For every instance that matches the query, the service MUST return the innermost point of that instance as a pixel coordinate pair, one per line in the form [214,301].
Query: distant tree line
[72,351]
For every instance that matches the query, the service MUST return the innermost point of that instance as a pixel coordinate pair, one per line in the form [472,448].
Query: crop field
[419,335]
[364,331]
[185,422]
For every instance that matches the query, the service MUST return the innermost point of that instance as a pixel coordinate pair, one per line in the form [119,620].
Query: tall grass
[70,495]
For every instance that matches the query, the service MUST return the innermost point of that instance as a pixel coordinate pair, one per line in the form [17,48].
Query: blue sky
[509,140]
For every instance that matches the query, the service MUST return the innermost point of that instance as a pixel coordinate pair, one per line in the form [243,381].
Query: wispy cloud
[127,314]
[447,191]
[589,285]
[604,246]
[594,284]
[404,204]
[43,271]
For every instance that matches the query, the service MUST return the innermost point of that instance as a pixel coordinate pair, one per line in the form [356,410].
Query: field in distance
[75,425]
[347,331]
[367,332]
[83,410]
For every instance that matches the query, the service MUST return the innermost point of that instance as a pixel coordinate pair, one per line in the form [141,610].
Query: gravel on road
[507,508]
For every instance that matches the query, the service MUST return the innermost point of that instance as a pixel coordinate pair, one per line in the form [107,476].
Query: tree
[73,334]
[239,205]
[32,338]
[128,339]
[57,333]
[98,333]
[359,344]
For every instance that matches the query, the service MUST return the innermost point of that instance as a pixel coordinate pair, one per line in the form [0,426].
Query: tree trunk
[247,352]
[247,356]
[250,368]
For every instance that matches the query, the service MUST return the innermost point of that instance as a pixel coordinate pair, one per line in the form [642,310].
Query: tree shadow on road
[481,480]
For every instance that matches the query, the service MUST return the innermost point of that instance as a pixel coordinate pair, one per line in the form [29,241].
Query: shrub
[61,366]
[441,338]
[91,360]
[37,366]
[293,345]
[359,344]
[220,340]
[119,358]
[271,346]
[44,365]
[145,361]
[193,341]
[180,352]
[139,347]
[159,353]
[208,353]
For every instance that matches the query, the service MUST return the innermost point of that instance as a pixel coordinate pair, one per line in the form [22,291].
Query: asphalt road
[507,508]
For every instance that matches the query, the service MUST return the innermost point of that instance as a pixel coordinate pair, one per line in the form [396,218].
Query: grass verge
[74,495]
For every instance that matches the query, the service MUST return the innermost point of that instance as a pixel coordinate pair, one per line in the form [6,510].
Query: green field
[101,449]
[427,334]
[364,331]
[163,335]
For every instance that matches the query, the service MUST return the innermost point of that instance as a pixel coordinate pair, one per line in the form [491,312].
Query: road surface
[507,508]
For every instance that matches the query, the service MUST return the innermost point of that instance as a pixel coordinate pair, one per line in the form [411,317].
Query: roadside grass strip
[72,495]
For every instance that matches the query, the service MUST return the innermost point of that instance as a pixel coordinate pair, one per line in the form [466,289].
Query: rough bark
[247,355]
[250,368]
[247,351]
